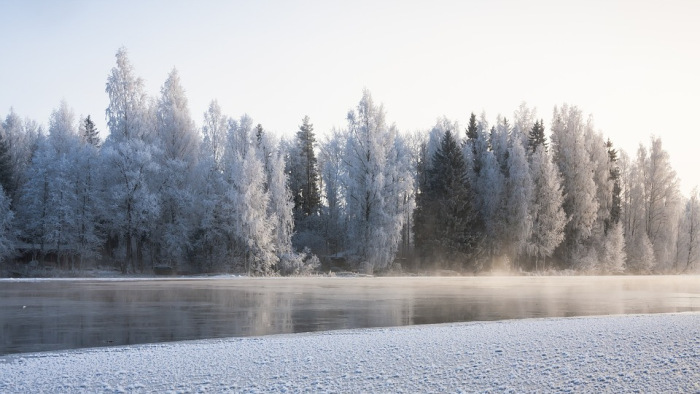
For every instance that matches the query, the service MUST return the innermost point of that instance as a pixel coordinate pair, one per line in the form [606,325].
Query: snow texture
[647,353]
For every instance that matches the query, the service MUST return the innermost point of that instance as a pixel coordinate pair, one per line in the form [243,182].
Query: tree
[303,169]
[580,203]
[21,138]
[613,256]
[6,175]
[599,159]
[443,213]
[177,134]
[548,217]
[689,234]
[661,201]
[333,175]
[7,229]
[132,163]
[375,181]
[536,137]
[516,213]
[246,202]
[214,130]
[178,143]
[616,199]
[134,205]
[472,128]
[89,133]
[126,113]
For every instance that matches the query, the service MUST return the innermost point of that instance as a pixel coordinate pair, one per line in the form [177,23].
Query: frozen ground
[647,353]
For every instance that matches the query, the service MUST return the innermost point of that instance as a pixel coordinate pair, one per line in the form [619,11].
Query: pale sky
[633,64]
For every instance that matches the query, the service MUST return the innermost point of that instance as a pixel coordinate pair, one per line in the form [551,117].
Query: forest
[229,196]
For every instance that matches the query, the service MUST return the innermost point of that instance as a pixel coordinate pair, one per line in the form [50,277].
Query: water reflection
[52,315]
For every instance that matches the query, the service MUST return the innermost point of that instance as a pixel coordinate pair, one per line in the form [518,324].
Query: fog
[52,315]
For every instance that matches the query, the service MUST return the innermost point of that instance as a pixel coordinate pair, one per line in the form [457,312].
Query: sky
[633,65]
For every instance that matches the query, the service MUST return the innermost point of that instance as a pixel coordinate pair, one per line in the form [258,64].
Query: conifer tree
[616,207]
[6,176]
[89,133]
[444,214]
[304,178]
[536,137]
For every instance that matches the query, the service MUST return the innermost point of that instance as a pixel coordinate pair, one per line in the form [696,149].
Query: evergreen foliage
[89,133]
[536,137]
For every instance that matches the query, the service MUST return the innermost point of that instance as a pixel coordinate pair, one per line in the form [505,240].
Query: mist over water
[53,315]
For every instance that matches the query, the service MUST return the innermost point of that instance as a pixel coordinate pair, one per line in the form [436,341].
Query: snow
[648,353]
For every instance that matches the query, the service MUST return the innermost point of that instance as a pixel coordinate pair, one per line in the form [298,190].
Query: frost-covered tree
[22,140]
[6,175]
[580,204]
[640,253]
[214,130]
[688,251]
[524,120]
[600,162]
[333,176]
[661,201]
[246,202]
[177,133]
[536,137]
[179,145]
[210,238]
[613,256]
[516,212]
[7,228]
[89,133]
[126,113]
[134,205]
[374,180]
[548,217]
[48,199]
[489,187]
[33,202]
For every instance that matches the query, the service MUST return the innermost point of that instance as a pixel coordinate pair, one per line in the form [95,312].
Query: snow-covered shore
[648,353]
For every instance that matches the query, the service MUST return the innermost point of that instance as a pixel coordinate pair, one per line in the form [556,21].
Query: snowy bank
[649,353]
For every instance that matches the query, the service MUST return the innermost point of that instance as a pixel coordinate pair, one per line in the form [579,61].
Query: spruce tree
[448,201]
[536,137]
[90,134]
[472,128]
[6,176]
[616,207]
[307,196]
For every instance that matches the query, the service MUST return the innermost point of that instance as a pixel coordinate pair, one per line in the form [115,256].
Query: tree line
[230,196]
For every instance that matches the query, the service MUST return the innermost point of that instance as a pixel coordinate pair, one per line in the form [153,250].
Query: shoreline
[650,353]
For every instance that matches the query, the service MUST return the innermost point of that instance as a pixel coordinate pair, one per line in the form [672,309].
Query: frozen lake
[66,314]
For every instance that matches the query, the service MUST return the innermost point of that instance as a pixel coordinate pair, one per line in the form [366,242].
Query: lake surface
[65,314]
